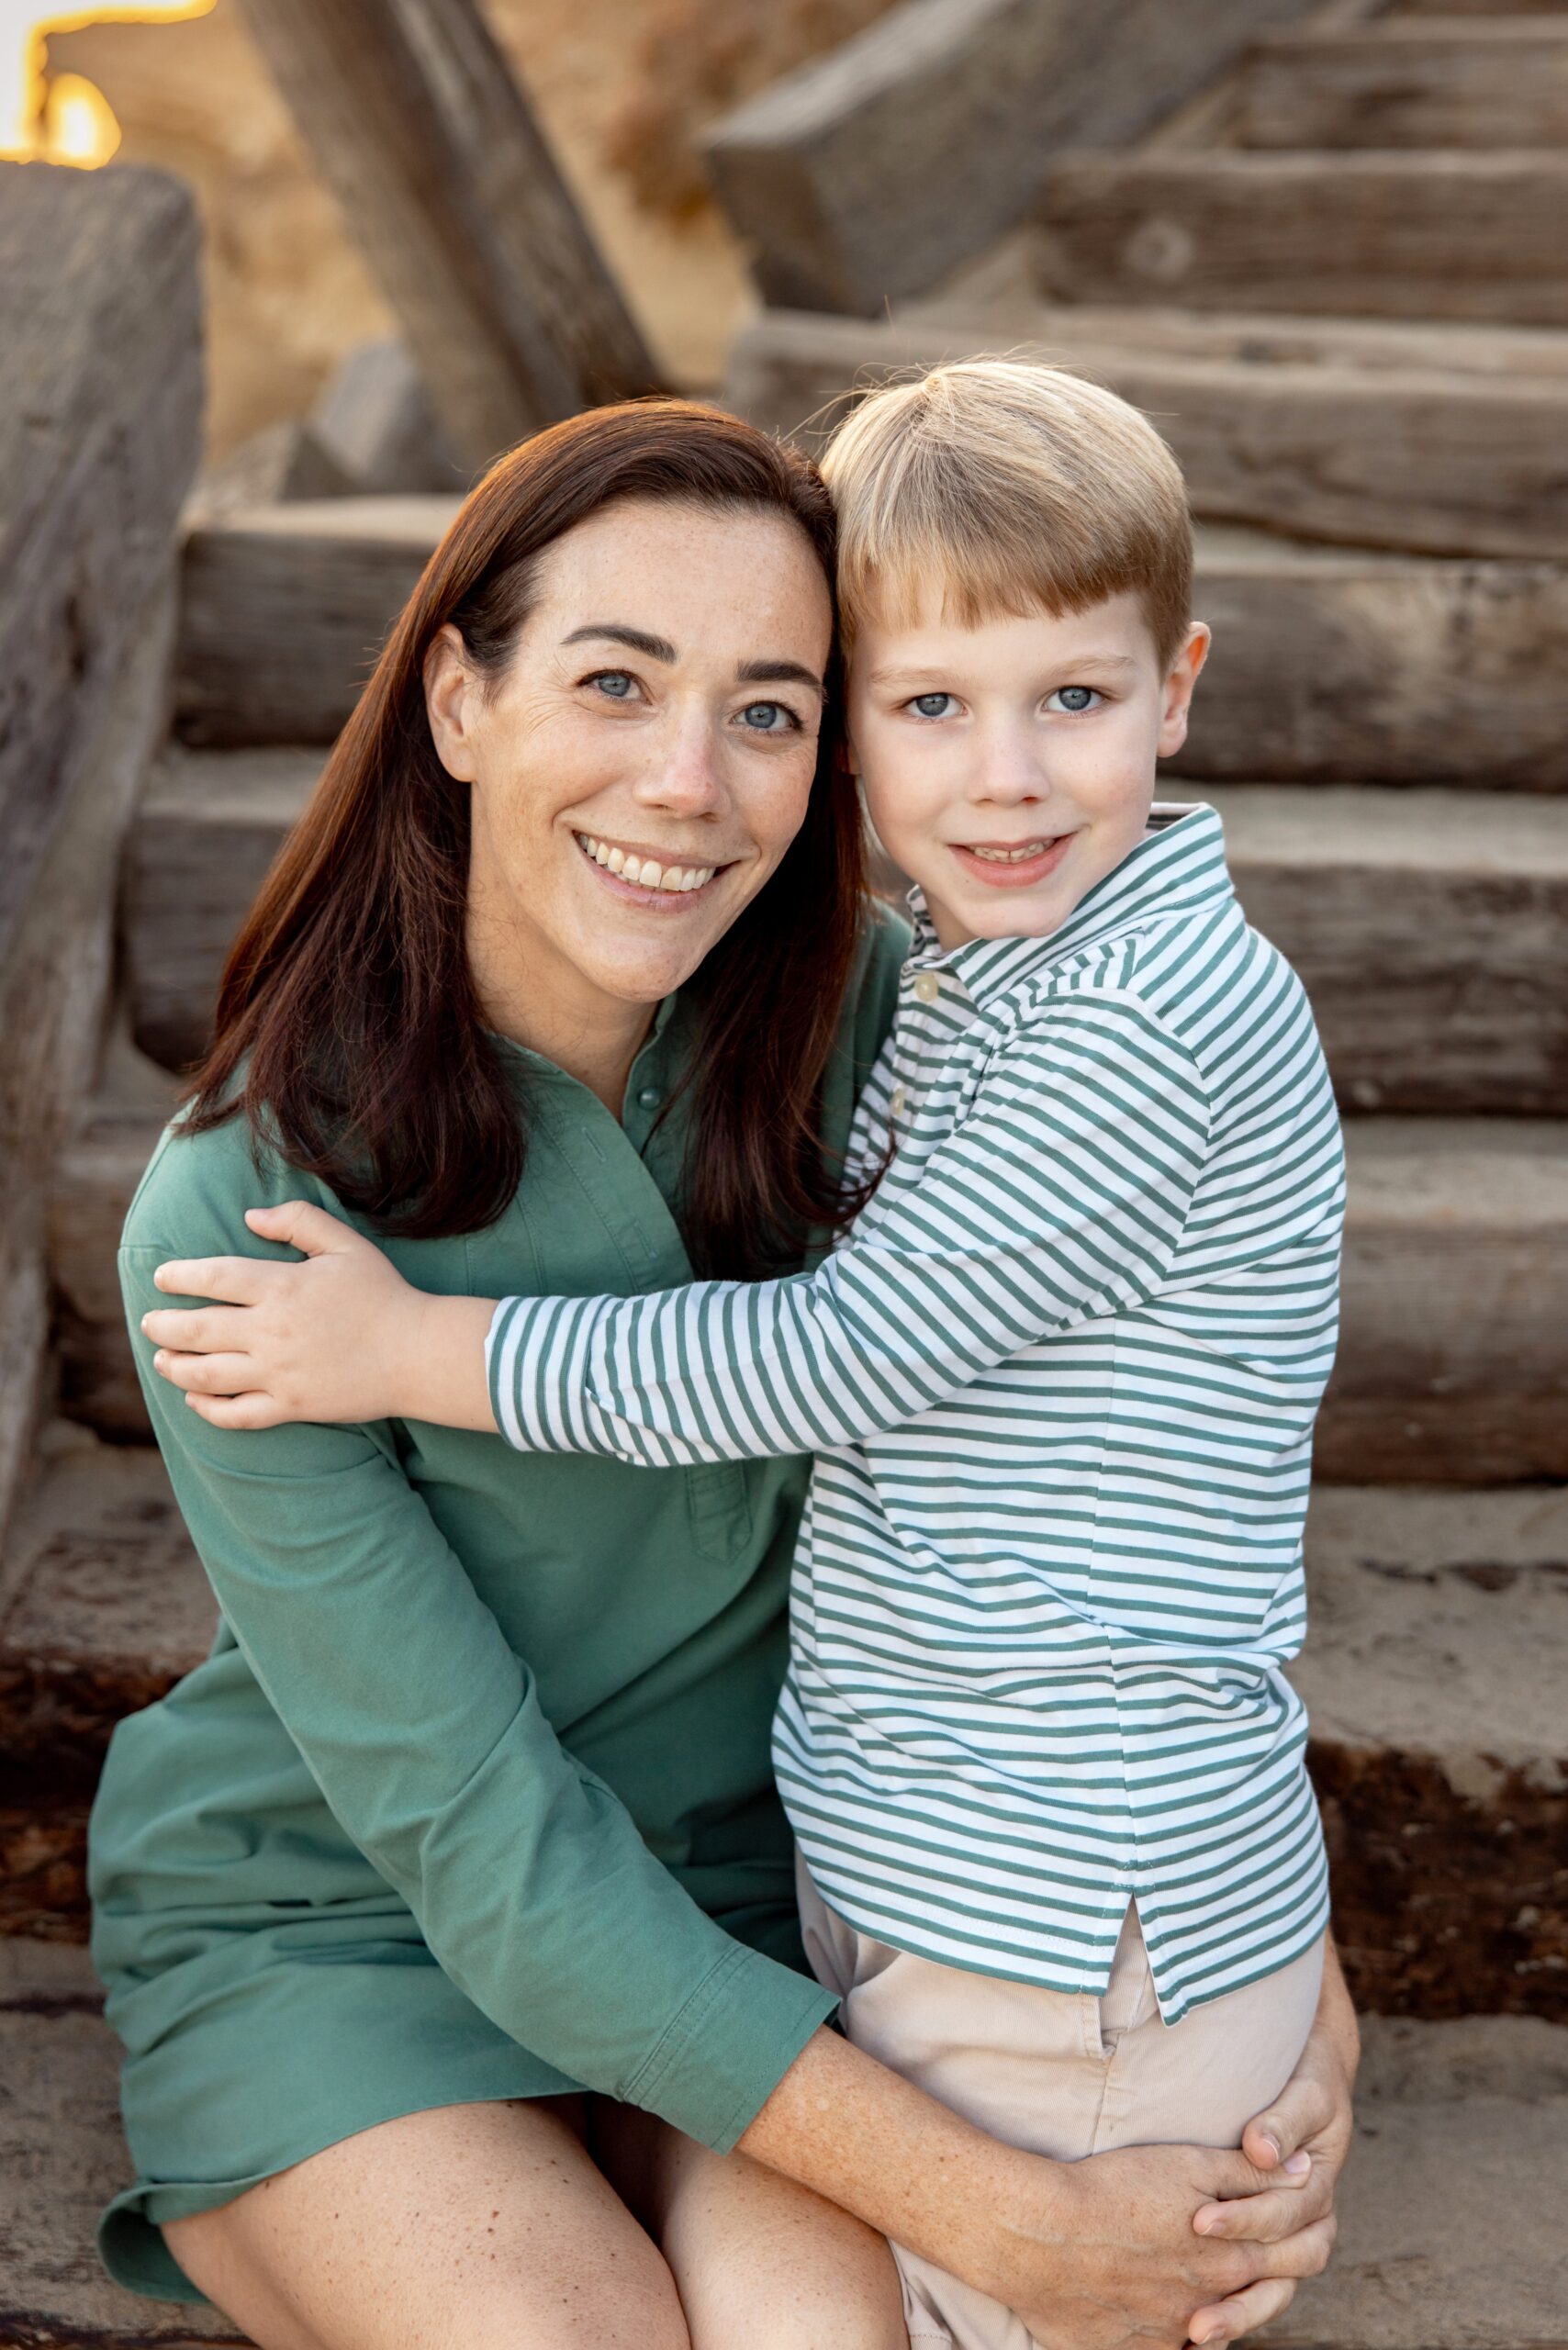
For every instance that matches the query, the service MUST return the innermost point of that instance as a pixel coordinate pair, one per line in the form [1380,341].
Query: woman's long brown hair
[348,1030]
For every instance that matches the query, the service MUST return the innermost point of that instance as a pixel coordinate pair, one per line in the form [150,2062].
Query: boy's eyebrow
[932,668]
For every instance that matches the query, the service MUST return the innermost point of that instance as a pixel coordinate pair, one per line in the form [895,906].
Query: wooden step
[1431,927]
[1434,1673]
[1404,234]
[1412,446]
[1332,664]
[61,2157]
[1451,1368]
[1450,2227]
[207,828]
[1400,81]
[1431,930]
[286,609]
[104,1605]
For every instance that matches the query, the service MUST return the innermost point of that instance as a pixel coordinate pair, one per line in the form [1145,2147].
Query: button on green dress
[472,1797]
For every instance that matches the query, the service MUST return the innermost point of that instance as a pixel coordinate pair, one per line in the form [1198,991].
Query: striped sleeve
[1060,1198]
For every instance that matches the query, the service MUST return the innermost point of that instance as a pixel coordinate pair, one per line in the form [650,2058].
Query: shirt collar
[1177,868]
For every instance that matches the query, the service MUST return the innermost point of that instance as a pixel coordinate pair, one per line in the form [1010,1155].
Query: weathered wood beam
[872,169]
[1370,446]
[447,185]
[1331,663]
[285,610]
[100,401]
[1451,235]
[1465,82]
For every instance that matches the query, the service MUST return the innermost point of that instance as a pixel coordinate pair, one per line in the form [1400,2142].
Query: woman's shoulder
[191,1201]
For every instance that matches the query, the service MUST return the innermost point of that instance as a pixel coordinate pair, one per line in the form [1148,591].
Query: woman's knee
[471,2227]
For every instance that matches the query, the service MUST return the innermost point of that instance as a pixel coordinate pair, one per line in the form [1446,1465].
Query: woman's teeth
[1012,856]
[647,872]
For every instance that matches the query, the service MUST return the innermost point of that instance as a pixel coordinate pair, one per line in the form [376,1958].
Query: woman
[566,981]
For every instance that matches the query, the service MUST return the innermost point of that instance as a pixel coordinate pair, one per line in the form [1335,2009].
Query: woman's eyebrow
[779,673]
[636,640]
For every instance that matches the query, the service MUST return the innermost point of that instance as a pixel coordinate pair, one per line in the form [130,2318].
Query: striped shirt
[1060,1377]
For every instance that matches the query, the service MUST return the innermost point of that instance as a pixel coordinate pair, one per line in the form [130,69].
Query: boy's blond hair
[1019,487]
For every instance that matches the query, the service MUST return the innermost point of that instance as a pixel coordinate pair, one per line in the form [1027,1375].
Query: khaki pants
[1064,2074]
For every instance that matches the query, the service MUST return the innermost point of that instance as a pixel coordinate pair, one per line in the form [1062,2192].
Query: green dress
[472,1797]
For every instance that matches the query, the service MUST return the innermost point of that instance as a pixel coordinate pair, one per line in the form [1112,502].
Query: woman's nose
[684,770]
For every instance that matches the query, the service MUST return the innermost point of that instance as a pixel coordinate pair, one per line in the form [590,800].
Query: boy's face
[1009,767]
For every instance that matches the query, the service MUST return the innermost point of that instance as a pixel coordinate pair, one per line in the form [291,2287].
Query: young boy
[1059,1853]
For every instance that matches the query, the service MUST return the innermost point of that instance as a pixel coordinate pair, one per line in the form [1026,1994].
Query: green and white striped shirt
[1061,1379]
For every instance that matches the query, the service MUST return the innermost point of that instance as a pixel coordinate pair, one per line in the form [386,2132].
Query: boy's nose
[1008,770]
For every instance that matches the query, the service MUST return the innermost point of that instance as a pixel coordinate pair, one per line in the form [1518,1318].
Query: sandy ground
[287,292]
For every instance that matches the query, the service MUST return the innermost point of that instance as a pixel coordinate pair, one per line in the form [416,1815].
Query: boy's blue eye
[1074,700]
[931,705]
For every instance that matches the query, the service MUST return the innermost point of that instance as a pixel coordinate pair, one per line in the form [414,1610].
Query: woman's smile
[642,876]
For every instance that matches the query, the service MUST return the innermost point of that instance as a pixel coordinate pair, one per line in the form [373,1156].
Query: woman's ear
[452,703]
[1182,679]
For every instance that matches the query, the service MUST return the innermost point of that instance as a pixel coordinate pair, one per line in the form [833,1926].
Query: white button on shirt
[1060,1377]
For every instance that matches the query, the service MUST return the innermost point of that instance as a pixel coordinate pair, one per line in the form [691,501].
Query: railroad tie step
[1434,1669]
[1331,663]
[62,2158]
[1451,2234]
[1441,440]
[1398,233]
[1409,81]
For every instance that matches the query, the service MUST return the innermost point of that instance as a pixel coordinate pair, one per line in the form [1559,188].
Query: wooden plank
[1375,454]
[1462,82]
[100,396]
[1451,1368]
[1337,665]
[1454,235]
[1435,1650]
[1430,927]
[207,829]
[872,169]
[448,187]
[285,610]
[1331,664]
[1431,931]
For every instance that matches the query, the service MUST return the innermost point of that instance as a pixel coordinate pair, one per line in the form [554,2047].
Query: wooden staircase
[1344,296]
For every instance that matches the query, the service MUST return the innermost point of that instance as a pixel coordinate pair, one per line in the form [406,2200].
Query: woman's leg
[471,2227]
[757,2259]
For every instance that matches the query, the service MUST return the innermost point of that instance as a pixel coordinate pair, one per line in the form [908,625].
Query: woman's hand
[1102,2255]
[1304,2134]
[339,1336]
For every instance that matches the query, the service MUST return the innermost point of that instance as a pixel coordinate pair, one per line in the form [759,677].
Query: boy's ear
[1181,679]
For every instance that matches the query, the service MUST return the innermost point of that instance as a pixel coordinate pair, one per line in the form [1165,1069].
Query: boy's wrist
[436,1368]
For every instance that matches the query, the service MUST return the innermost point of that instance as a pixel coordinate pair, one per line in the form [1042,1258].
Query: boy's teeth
[1010,855]
[647,872]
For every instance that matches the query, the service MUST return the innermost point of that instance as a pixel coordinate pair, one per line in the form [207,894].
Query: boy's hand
[342,1337]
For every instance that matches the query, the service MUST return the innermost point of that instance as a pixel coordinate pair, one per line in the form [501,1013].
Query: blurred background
[278,278]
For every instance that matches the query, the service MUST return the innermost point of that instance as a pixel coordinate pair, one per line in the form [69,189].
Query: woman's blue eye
[768,718]
[931,705]
[617,683]
[1074,700]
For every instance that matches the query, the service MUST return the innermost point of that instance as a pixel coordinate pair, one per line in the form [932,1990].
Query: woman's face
[645,759]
